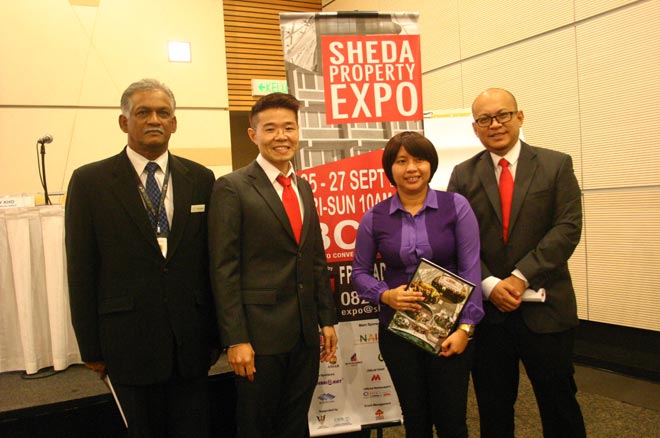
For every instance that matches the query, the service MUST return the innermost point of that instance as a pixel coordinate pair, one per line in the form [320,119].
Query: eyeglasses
[486,121]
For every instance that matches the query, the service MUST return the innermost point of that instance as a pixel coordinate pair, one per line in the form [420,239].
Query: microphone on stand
[46,139]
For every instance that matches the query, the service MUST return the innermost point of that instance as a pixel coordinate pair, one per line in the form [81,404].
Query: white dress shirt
[139,163]
[273,172]
[488,283]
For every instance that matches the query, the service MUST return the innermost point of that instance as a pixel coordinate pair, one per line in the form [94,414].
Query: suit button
[300,285]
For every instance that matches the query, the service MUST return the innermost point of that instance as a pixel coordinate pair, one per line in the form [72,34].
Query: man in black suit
[270,279]
[137,259]
[527,246]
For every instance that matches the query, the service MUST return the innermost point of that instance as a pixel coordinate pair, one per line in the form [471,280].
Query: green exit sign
[261,87]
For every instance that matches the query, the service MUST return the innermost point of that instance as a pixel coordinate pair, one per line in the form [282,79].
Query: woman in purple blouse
[421,222]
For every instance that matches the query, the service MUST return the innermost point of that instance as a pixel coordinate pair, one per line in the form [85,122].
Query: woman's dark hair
[416,145]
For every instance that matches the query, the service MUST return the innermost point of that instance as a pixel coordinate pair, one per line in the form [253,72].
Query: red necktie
[291,205]
[506,195]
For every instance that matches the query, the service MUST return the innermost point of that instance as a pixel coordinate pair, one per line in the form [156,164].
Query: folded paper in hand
[534,296]
[114,395]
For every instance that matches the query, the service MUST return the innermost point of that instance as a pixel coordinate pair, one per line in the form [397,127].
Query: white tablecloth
[35,321]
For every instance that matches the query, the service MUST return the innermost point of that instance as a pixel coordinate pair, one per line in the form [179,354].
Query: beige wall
[65,65]
[585,72]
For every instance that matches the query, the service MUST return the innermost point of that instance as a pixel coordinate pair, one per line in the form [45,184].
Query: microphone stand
[44,184]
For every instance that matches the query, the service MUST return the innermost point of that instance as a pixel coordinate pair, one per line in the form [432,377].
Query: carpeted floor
[605,417]
[613,405]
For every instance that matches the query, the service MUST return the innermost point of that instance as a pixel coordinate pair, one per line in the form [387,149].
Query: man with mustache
[137,261]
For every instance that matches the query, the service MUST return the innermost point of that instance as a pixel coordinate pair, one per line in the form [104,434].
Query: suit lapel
[525,170]
[124,186]
[486,174]
[265,188]
[182,190]
[307,198]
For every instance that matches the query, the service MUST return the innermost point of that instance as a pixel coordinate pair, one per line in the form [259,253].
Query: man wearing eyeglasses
[528,204]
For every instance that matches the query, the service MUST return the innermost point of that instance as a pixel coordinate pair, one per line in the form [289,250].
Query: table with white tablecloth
[35,321]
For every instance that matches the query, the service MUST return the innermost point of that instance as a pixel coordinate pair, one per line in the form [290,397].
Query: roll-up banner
[358,76]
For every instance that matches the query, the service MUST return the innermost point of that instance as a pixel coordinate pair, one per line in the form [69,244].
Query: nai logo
[375,378]
[379,414]
[354,357]
[326,397]
[320,418]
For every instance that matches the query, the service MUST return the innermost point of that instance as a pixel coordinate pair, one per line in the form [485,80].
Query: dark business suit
[270,292]
[149,318]
[544,229]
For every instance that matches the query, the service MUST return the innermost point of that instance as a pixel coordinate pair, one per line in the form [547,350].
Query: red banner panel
[343,192]
[372,78]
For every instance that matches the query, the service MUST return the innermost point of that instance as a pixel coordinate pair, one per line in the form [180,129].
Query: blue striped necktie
[154,195]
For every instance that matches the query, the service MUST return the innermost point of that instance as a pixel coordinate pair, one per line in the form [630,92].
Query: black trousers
[177,408]
[548,362]
[276,404]
[432,390]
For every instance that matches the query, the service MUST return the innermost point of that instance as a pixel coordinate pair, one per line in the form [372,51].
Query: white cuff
[520,275]
[487,286]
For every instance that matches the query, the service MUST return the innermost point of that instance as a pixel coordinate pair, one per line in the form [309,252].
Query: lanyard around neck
[147,200]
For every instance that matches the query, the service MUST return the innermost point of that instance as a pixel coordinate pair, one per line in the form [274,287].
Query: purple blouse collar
[429,202]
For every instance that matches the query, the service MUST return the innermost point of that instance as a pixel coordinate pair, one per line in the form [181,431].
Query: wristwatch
[467,328]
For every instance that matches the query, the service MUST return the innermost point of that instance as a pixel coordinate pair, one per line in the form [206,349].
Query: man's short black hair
[274,100]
